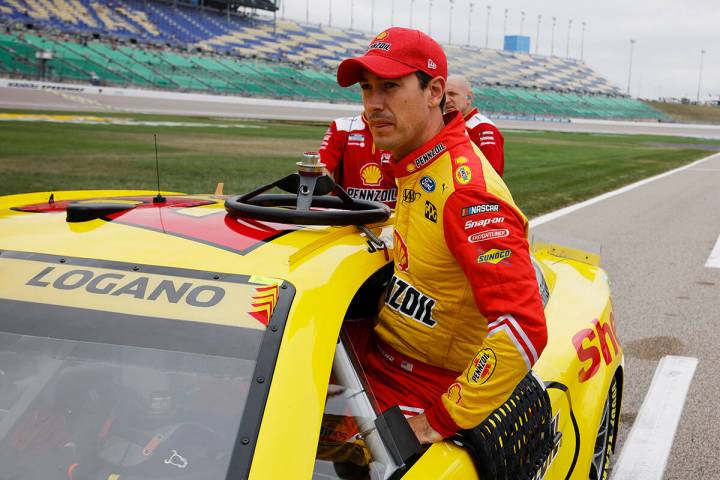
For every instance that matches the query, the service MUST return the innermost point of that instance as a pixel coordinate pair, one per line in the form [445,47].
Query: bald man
[481,129]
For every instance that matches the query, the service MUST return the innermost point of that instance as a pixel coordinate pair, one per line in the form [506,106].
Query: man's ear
[436,87]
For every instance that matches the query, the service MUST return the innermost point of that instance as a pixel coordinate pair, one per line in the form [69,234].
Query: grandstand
[152,44]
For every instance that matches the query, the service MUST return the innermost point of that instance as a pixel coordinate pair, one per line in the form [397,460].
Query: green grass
[544,171]
[689,113]
[550,170]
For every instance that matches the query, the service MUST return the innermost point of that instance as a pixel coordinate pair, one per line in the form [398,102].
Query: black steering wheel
[308,191]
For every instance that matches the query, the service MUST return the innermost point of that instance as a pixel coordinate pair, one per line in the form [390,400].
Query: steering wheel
[308,190]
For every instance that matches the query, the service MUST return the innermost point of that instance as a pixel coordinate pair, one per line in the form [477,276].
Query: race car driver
[462,320]
[356,164]
[481,129]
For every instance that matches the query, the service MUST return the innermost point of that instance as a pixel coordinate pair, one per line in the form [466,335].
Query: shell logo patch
[371,175]
[454,393]
[382,35]
[494,256]
[463,174]
[483,366]
[401,254]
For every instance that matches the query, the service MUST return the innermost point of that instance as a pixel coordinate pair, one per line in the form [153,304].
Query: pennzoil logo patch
[482,367]
[429,155]
[380,46]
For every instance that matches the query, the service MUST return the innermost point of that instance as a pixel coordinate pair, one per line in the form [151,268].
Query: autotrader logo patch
[488,235]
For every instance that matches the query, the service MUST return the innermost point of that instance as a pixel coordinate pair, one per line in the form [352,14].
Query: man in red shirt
[481,129]
[462,321]
[356,164]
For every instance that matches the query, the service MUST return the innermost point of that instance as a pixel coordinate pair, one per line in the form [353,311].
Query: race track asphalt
[236,107]
[654,242]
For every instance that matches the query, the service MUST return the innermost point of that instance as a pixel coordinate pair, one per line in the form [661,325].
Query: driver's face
[397,110]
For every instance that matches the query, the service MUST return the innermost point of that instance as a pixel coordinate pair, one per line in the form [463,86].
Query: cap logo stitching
[431,64]
[379,46]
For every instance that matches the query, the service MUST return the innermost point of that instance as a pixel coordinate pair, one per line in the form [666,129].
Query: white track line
[564,211]
[647,447]
[713,260]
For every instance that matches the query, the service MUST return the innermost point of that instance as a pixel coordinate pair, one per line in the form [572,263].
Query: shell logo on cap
[371,175]
[382,35]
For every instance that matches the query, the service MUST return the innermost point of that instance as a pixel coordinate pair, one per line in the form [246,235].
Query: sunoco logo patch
[494,256]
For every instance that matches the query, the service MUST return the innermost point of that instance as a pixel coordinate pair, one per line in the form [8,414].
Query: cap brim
[350,70]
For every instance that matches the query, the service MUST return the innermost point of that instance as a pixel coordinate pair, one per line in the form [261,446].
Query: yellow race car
[149,336]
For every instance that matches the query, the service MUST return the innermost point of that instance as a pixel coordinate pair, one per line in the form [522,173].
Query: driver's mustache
[379,116]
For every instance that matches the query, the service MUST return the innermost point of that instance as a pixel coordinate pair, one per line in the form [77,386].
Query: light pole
[452,4]
[522,22]
[567,46]
[537,35]
[430,17]
[632,44]
[505,26]
[352,17]
[392,13]
[552,38]
[330,13]
[702,54]
[469,23]
[307,11]
[582,42]
[412,5]
[487,25]
[372,17]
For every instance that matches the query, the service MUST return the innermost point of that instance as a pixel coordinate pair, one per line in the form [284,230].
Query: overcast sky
[669,34]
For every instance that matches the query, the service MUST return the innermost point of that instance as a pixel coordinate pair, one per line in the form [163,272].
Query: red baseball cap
[394,53]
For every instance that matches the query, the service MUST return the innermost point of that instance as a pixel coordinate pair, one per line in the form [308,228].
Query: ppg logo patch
[430,212]
[427,184]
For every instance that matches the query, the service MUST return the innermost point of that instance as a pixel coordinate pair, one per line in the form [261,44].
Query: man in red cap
[481,129]
[462,321]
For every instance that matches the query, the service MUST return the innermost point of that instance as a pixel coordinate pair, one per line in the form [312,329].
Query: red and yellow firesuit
[462,320]
[364,171]
[486,135]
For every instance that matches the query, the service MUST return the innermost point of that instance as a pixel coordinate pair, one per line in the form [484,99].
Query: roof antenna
[159,198]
